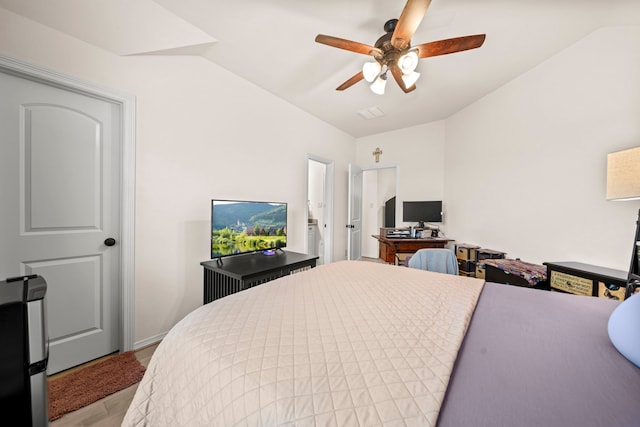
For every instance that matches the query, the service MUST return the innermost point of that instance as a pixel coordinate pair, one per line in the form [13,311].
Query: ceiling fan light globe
[410,79]
[408,62]
[371,70]
[378,86]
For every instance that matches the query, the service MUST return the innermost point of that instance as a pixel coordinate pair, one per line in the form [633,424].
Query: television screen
[390,212]
[427,211]
[239,227]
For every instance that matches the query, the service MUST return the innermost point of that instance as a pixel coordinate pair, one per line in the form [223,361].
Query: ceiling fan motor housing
[390,25]
[390,53]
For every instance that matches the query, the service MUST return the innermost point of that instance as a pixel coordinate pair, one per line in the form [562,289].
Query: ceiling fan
[393,51]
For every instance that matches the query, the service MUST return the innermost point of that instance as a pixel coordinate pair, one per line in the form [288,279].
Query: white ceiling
[271,43]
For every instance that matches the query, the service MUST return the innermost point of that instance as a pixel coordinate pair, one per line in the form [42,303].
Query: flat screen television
[390,212]
[421,212]
[240,226]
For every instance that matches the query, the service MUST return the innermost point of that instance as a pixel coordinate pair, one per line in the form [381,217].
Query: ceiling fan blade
[349,45]
[397,75]
[409,21]
[444,47]
[353,80]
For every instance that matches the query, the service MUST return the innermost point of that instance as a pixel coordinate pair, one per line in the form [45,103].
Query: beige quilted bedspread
[346,344]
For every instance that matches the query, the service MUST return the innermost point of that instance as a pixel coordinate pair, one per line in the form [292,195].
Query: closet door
[59,177]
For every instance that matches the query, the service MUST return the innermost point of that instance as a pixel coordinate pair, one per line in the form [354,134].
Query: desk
[390,247]
[241,272]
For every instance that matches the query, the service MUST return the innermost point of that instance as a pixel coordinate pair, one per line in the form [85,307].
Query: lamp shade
[408,62]
[370,70]
[410,79]
[378,86]
[623,175]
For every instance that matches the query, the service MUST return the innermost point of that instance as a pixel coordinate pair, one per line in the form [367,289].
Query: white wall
[202,133]
[525,167]
[418,153]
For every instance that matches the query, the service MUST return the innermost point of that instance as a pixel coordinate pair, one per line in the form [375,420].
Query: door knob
[110,241]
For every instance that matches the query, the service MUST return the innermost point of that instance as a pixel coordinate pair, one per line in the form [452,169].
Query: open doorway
[379,190]
[319,226]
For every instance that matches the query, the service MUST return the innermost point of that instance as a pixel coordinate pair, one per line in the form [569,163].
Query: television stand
[241,272]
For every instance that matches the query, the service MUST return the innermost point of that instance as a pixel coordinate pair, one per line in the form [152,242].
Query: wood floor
[107,412]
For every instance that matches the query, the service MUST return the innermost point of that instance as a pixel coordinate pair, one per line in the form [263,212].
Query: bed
[356,343]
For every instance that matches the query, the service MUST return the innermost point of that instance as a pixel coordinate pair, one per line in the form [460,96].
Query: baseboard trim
[148,341]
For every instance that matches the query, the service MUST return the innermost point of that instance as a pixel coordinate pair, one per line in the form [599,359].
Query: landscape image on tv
[240,226]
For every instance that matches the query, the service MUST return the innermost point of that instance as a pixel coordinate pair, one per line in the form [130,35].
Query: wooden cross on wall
[377,153]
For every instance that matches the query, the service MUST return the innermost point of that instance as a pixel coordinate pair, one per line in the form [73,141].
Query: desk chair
[434,259]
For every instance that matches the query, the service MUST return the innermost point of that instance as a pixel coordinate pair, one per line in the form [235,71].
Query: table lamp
[623,175]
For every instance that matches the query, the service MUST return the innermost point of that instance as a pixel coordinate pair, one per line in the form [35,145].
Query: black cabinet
[585,279]
[241,272]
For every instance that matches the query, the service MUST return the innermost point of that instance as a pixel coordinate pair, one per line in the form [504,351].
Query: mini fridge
[23,350]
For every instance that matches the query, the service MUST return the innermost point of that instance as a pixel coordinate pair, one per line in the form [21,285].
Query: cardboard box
[466,252]
[611,291]
[570,283]
[480,271]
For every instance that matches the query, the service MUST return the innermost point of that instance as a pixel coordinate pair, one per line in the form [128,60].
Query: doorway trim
[328,206]
[127,106]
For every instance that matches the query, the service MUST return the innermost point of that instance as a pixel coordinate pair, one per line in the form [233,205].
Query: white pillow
[624,328]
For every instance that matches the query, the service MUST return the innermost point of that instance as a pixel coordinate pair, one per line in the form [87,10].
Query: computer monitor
[422,211]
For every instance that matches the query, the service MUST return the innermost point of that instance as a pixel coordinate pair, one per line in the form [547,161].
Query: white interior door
[59,177]
[354,225]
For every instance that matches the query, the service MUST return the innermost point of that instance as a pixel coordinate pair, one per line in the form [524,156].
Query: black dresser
[240,272]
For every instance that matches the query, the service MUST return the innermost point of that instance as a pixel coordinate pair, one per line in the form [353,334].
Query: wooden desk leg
[387,253]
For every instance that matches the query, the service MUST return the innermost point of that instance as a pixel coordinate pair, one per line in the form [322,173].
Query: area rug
[80,388]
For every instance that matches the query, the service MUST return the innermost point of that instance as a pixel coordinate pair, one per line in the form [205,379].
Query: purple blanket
[533,358]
